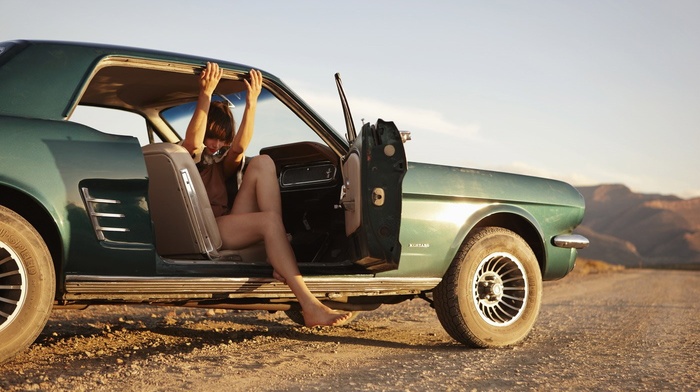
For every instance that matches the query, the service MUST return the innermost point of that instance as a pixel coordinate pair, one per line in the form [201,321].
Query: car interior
[308,167]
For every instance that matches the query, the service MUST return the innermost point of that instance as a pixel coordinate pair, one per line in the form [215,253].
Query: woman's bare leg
[259,190]
[257,215]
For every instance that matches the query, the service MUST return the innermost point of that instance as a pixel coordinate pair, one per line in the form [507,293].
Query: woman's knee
[263,164]
[272,222]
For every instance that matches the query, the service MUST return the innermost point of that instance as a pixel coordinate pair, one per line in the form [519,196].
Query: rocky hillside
[636,229]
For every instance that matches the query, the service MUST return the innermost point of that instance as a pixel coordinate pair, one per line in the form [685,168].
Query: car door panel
[373,171]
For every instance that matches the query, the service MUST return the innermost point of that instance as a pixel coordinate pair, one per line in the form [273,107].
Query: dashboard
[304,165]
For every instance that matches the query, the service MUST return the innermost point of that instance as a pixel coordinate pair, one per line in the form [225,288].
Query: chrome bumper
[575,241]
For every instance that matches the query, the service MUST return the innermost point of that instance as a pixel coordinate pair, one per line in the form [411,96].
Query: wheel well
[523,228]
[38,217]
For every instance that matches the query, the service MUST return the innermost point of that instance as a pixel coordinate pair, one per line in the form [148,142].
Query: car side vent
[95,217]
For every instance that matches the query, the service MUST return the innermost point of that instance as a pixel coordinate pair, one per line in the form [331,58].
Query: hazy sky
[589,92]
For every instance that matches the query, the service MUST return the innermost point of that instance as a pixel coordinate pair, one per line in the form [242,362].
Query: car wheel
[298,317]
[27,284]
[490,295]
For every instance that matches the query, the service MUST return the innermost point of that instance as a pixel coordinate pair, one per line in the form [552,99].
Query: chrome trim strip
[126,287]
[112,229]
[94,215]
[107,215]
[575,241]
[96,200]
[201,228]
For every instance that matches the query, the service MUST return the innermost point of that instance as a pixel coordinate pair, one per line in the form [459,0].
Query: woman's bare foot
[324,316]
[279,277]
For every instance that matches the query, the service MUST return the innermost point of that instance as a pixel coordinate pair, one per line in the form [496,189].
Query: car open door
[373,171]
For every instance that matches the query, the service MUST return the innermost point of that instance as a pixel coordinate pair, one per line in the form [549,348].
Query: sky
[588,92]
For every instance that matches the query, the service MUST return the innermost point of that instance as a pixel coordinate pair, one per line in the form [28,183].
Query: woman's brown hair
[220,122]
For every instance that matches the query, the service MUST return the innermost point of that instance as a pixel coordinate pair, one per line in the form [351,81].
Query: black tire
[27,284]
[298,317]
[490,296]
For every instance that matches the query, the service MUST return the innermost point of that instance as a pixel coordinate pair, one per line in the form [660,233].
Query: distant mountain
[635,229]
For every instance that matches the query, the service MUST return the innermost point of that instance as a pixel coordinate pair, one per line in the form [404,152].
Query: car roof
[43,79]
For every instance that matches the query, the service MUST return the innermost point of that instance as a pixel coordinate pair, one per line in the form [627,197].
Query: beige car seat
[182,216]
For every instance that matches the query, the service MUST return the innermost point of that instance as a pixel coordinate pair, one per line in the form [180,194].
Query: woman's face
[213,144]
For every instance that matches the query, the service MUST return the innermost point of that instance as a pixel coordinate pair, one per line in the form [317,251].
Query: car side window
[275,123]
[113,121]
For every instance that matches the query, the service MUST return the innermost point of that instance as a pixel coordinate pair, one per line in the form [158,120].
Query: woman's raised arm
[208,80]
[245,131]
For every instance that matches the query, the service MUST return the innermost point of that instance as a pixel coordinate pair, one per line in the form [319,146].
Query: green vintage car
[99,205]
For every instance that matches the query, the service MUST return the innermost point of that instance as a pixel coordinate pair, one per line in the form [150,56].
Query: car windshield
[275,123]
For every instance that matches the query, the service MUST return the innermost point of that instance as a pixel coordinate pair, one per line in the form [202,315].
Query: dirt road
[629,330]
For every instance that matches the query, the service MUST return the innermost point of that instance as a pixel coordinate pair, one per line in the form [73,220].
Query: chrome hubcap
[500,289]
[13,285]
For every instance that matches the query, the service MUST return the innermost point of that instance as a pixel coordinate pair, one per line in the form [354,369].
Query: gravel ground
[616,330]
